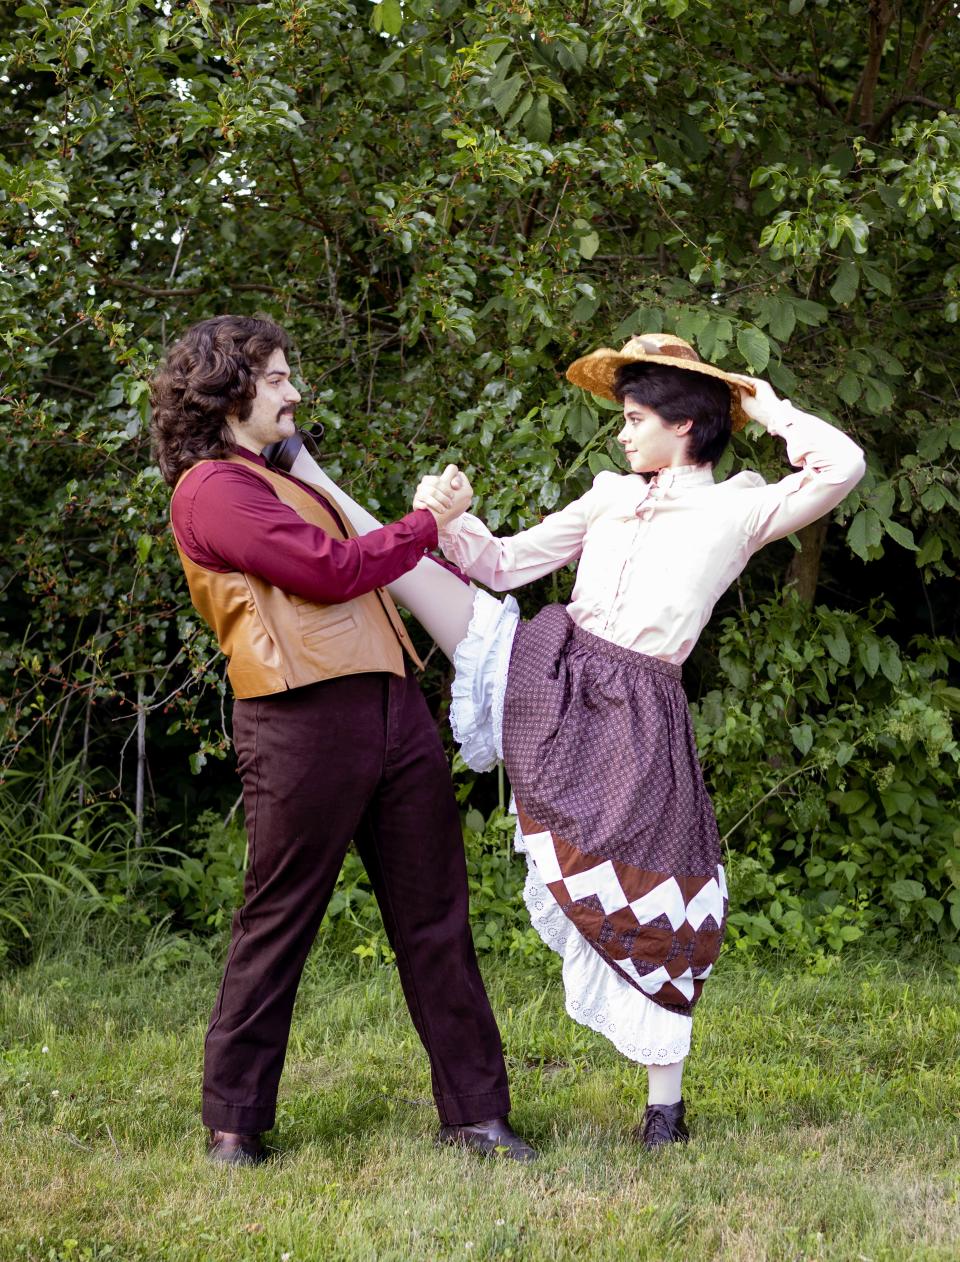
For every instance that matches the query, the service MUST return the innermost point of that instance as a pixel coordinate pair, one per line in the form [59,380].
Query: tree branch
[882,13]
[895,106]
[156,292]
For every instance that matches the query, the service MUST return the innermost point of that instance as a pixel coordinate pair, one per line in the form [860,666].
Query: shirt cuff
[424,527]
[780,418]
[451,531]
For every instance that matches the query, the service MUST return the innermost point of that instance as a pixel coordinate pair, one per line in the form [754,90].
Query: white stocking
[441,602]
[664,1083]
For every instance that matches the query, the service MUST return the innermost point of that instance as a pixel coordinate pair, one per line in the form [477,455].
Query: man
[333,737]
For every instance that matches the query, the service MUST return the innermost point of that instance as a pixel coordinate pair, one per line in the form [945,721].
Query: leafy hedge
[445,203]
[831,757]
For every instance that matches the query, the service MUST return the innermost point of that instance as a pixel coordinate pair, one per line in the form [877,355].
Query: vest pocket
[317,625]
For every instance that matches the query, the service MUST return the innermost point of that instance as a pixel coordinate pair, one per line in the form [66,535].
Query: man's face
[272,411]
[649,443]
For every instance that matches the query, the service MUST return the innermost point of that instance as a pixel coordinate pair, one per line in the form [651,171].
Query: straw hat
[596,372]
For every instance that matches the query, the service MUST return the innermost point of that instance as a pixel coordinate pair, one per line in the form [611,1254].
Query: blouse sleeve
[830,466]
[502,564]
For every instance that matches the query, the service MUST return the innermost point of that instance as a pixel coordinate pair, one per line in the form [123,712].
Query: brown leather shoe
[662,1124]
[495,1138]
[227,1148]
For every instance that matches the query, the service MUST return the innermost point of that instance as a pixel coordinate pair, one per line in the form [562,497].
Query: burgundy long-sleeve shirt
[227,518]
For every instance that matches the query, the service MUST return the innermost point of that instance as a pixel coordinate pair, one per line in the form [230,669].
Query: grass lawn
[824,1113]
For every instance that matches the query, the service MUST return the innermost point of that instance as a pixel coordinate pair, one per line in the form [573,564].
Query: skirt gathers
[623,854]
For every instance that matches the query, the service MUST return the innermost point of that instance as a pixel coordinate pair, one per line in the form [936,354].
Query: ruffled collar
[683,475]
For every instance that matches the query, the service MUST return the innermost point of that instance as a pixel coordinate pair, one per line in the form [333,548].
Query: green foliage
[199,887]
[497,914]
[831,758]
[445,204]
[57,847]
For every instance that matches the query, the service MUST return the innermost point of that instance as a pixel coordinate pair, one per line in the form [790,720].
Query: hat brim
[597,371]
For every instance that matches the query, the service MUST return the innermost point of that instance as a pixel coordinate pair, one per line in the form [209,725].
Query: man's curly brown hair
[210,371]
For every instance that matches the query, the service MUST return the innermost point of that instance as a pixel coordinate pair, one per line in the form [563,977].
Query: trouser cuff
[462,1110]
[241,1119]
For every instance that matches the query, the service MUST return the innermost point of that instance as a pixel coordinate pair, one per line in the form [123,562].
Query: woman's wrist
[451,529]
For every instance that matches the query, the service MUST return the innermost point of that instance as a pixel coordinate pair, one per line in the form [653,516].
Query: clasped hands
[446,495]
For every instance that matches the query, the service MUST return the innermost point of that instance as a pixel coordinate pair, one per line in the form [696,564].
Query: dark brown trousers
[359,759]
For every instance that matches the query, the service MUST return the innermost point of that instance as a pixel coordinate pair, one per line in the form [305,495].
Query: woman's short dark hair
[210,371]
[677,395]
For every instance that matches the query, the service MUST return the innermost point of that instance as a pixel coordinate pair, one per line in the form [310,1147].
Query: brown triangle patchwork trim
[633,947]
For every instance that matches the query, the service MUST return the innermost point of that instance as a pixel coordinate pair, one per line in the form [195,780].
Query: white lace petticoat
[596,996]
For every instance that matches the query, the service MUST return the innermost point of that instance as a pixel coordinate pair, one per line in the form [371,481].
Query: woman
[624,873]
[584,702]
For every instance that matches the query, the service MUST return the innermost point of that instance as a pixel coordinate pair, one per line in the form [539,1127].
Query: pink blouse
[655,555]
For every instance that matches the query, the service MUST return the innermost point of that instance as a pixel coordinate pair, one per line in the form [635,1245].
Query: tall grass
[63,852]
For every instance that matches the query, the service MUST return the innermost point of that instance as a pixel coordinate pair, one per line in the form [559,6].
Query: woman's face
[649,442]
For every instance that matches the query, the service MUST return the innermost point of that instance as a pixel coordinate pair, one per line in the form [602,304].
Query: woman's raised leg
[441,602]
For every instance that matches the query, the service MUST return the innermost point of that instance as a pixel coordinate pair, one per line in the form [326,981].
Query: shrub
[833,766]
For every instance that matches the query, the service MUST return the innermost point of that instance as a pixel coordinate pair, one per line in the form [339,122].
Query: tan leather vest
[274,640]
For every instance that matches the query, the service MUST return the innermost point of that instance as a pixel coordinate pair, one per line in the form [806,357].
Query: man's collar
[253,456]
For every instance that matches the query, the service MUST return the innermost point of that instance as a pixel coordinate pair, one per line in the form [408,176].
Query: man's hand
[446,495]
[764,405]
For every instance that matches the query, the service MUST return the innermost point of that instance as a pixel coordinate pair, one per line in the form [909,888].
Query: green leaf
[537,124]
[852,802]
[802,737]
[868,650]
[795,7]
[144,544]
[879,396]
[849,387]
[809,312]
[955,912]
[783,319]
[908,891]
[588,244]
[933,909]
[838,646]
[931,549]
[518,114]
[474,821]
[933,498]
[865,533]
[754,347]
[781,378]
[582,423]
[391,17]
[900,534]
[504,94]
[890,663]
[843,753]
[879,280]
[597,462]
[585,309]
[844,287]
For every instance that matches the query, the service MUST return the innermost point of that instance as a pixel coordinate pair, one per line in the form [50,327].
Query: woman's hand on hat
[446,495]
[760,402]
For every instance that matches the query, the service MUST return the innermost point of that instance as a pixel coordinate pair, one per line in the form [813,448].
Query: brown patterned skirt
[598,744]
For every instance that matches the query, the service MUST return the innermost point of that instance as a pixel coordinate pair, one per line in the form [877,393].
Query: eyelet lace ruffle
[596,996]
